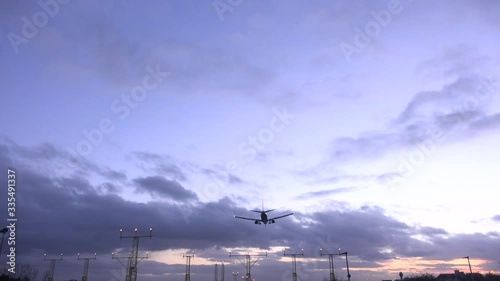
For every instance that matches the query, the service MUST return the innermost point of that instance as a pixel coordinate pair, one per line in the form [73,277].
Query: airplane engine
[273,221]
[256,222]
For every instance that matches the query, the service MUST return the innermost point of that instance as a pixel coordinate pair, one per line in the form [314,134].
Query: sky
[375,122]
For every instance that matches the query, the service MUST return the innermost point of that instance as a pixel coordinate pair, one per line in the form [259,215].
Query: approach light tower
[188,265]
[133,259]
[52,266]
[221,272]
[86,265]
[347,264]
[235,275]
[470,268]
[248,263]
[330,259]
[294,263]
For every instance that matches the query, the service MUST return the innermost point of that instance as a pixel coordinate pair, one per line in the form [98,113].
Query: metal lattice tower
[294,263]
[188,266]
[86,265]
[133,259]
[347,264]
[248,263]
[330,259]
[52,266]
[221,272]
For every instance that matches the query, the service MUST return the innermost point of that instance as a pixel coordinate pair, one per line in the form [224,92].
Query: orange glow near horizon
[409,266]
[420,265]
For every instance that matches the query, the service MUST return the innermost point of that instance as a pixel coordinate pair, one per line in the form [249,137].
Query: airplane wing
[275,218]
[250,219]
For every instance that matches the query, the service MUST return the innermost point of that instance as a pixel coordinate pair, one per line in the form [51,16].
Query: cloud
[114,175]
[325,193]
[431,231]
[452,98]
[70,214]
[487,122]
[235,179]
[161,164]
[120,58]
[160,186]
[453,113]
[108,187]
[367,145]
[194,67]
[55,161]
[458,245]
[457,61]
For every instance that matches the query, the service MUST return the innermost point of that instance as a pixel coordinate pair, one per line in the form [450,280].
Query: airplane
[263,216]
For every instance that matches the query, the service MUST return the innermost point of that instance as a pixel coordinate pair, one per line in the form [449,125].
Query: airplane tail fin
[263,210]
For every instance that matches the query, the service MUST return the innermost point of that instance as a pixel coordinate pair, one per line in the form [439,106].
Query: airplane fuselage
[263,217]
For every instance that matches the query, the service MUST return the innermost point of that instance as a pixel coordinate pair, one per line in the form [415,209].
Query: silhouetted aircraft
[263,216]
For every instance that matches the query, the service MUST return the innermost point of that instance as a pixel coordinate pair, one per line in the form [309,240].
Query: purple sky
[376,122]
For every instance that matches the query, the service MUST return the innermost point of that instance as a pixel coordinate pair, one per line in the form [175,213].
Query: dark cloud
[458,245]
[367,228]
[496,218]
[160,186]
